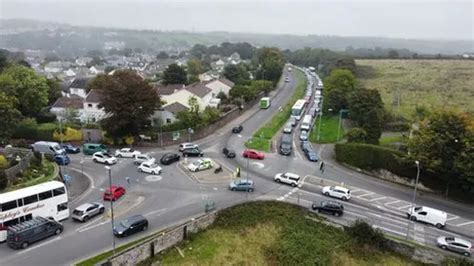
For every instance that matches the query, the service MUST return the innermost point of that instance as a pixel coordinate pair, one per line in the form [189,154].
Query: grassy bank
[261,139]
[34,175]
[430,83]
[274,233]
[328,133]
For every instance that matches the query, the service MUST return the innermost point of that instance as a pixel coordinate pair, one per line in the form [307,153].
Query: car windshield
[107,155]
[449,239]
[154,166]
[417,208]
[77,212]
[197,163]
[125,223]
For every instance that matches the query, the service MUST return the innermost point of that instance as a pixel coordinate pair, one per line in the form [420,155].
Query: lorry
[264,102]
[48,147]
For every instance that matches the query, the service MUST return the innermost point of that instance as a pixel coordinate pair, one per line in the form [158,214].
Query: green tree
[54,90]
[242,91]
[3,61]
[393,54]
[236,73]
[10,116]
[27,87]
[443,145]
[262,85]
[194,67]
[128,101]
[272,62]
[210,115]
[357,135]
[337,87]
[193,105]
[366,110]
[174,74]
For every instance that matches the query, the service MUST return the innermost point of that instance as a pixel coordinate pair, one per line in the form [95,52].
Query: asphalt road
[174,197]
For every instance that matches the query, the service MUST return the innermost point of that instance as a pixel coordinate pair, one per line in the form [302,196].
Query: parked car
[428,215]
[313,112]
[150,168]
[312,156]
[337,192]
[195,152]
[187,145]
[228,153]
[169,158]
[144,157]
[303,135]
[455,244]
[253,154]
[105,158]
[71,148]
[306,145]
[241,185]
[114,193]
[29,232]
[288,178]
[131,225]
[87,210]
[91,148]
[201,164]
[287,79]
[327,206]
[293,121]
[48,147]
[237,129]
[288,128]
[126,153]
[61,159]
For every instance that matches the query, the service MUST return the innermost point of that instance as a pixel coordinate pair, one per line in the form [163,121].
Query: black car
[228,153]
[130,226]
[328,206]
[71,148]
[195,152]
[306,146]
[237,129]
[169,158]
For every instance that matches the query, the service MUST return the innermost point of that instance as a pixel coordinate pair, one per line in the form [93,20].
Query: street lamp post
[414,196]
[111,209]
[248,169]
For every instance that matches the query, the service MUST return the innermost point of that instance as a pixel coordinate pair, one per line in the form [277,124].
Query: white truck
[48,147]
[428,215]
[306,124]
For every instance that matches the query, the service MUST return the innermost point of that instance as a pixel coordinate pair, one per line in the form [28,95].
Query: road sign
[67,178]
[175,135]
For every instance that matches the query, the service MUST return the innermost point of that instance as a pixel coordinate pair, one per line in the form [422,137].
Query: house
[220,85]
[69,73]
[218,65]
[53,67]
[168,113]
[234,57]
[182,96]
[78,87]
[91,110]
[167,89]
[64,104]
[202,92]
[95,70]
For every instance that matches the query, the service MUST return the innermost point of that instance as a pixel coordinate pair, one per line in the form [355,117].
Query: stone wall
[25,156]
[163,240]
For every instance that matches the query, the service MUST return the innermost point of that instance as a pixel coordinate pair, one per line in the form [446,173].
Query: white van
[186,146]
[428,215]
[48,147]
[306,124]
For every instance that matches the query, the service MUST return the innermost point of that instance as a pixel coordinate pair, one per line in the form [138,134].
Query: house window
[168,120]
[89,105]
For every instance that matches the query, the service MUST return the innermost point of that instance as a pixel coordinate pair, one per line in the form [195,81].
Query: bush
[357,135]
[397,126]
[3,162]
[3,180]
[364,234]
[26,129]
[45,131]
[45,117]
[373,157]
[69,134]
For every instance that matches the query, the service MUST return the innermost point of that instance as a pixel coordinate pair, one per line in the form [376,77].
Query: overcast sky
[449,19]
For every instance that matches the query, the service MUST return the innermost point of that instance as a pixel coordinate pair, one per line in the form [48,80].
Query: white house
[65,104]
[168,113]
[92,112]
[70,73]
[78,87]
[220,85]
[182,97]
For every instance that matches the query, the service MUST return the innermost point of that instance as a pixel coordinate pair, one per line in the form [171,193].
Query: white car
[126,152]
[337,192]
[150,167]
[144,157]
[105,158]
[187,145]
[199,165]
[288,178]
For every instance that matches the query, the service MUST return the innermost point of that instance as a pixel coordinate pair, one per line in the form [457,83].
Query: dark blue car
[62,159]
[312,156]
[70,148]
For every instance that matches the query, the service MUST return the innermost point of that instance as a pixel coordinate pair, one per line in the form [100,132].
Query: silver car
[87,210]
[288,128]
[455,244]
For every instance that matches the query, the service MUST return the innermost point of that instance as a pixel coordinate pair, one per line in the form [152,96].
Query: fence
[161,241]
[11,153]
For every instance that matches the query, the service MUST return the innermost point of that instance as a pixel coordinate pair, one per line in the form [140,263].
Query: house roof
[79,83]
[227,82]
[69,102]
[167,89]
[93,97]
[175,107]
[198,88]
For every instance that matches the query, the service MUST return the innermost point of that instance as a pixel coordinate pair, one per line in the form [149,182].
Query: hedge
[29,129]
[373,157]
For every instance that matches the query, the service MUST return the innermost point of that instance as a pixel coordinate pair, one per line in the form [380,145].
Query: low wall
[166,239]
[22,165]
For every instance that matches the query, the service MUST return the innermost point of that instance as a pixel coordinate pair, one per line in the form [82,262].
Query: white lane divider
[376,199]
[391,202]
[463,224]
[404,207]
[155,212]
[452,218]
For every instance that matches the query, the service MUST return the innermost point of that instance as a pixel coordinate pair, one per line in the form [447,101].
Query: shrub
[3,162]
[45,131]
[69,134]
[3,180]
[397,126]
[26,129]
[356,134]
[364,234]
[373,157]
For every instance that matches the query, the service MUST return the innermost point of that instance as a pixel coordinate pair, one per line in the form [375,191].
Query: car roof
[84,207]
[341,188]
[332,202]
[135,218]
[433,210]
[292,175]
[462,241]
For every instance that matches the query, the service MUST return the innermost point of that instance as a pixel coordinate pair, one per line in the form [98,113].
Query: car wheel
[413,218]
[439,226]
[466,254]
[326,193]
[233,189]
[250,190]
[278,181]
[101,210]
[58,231]
[144,228]
[444,247]
[24,245]
[344,198]
[201,154]
[293,185]
[86,218]
[120,155]
[337,214]
[319,210]
[95,160]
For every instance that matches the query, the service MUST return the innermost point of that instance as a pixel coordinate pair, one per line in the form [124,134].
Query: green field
[262,138]
[274,233]
[406,84]
[328,134]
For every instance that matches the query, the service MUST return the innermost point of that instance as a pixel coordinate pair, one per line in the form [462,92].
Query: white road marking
[463,224]
[403,207]
[354,190]
[452,218]
[39,245]
[388,230]
[356,214]
[153,212]
[419,233]
[93,226]
[259,165]
[377,199]
[363,195]
[392,202]
[93,221]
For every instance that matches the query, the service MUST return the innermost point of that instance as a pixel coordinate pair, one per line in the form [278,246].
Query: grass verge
[261,139]
[329,128]
[273,233]
[34,175]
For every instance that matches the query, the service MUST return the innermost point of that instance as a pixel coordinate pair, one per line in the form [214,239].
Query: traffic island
[209,176]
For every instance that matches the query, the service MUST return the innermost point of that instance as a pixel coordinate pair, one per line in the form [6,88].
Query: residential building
[66,104]
[168,113]
[78,87]
[92,112]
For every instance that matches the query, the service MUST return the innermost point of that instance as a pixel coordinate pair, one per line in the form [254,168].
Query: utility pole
[111,209]
[414,197]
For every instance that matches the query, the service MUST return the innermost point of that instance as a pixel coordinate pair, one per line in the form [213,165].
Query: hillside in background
[74,40]
[406,84]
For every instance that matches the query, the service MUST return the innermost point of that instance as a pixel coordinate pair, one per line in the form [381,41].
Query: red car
[253,154]
[114,193]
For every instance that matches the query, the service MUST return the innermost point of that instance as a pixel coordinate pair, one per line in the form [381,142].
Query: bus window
[30,199]
[62,206]
[45,195]
[20,202]
[9,205]
[58,191]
